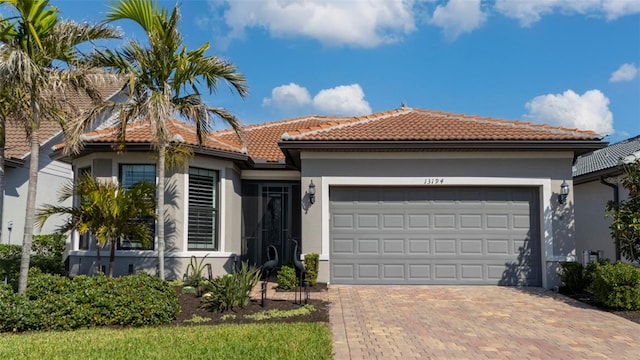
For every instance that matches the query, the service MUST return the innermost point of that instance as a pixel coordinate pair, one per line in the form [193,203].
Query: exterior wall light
[564,192]
[312,192]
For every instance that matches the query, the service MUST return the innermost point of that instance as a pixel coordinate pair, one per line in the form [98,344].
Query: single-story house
[52,173]
[596,178]
[406,196]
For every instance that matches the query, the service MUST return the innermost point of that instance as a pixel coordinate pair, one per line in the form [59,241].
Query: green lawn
[250,341]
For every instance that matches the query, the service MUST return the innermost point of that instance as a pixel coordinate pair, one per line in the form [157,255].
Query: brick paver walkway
[467,322]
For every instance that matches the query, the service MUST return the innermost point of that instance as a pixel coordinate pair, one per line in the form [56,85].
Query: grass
[247,341]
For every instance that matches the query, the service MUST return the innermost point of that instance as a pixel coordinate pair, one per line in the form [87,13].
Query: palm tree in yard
[107,210]
[39,58]
[164,78]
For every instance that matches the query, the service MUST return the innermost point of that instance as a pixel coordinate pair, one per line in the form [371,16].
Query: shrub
[572,275]
[311,265]
[10,251]
[48,257]
[287,279]
[49,245]
[195,276]
[54,302]
[231,290]
[617,286]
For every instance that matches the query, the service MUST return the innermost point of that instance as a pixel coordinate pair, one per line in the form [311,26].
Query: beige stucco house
[406,196]
[596,177]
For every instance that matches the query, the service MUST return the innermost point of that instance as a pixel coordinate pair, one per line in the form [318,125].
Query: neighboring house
[52,173]
[406,196]
[596,177]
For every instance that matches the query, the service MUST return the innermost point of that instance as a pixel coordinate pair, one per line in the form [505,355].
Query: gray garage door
[435,235]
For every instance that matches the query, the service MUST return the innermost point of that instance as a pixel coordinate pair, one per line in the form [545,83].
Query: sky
[572,63]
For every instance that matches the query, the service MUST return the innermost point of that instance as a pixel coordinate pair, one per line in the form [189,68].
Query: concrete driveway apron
[473,322]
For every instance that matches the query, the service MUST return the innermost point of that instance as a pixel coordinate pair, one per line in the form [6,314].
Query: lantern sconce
[312,192]
[564,192]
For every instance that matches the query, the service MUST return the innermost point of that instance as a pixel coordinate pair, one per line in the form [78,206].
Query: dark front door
[270,216]
[275,227]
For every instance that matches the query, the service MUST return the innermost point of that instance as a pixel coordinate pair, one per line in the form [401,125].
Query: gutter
[616,199]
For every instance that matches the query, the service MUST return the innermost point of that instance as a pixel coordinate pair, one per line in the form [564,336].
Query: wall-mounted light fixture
[312,192]
[564,192]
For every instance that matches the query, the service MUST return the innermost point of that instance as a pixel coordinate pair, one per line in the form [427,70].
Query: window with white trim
[203,206]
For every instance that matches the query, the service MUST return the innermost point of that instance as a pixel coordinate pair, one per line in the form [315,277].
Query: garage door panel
[444,221]
[393,246]
[368,246]
[435,236]
[419,246]
[393,221]
[418,221]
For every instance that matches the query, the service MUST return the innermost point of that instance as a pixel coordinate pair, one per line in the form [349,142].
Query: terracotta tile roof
[262,140]
[408,124]
[17,144]
[140,132]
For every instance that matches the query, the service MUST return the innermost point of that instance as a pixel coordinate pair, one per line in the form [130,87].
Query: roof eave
[597,175]
[14,163]
[137,147]
[292,148]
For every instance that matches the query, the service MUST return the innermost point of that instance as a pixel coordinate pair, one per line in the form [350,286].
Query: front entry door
[275,224]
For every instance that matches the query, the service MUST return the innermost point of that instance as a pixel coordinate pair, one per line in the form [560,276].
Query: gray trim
[14,163]
[292,148]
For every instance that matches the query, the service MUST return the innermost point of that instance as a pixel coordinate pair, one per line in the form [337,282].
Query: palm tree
[105,209]
[164,78]
[39,57]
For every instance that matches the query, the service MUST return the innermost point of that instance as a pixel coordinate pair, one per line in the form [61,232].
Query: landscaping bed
[587,298]
[192,311]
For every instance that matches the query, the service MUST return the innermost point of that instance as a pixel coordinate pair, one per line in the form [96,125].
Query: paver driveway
[473,322]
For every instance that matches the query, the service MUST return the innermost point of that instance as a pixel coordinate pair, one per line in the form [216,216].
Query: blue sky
[564,62]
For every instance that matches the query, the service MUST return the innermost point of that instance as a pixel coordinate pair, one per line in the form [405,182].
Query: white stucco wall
[543,170]
[51,177]
[592,225]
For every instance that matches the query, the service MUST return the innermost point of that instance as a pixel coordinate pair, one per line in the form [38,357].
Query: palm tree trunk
[31,199]
[2,142]
[112,257]
[99,261]
[160,208]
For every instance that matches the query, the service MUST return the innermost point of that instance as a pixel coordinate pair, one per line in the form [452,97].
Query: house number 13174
[433,181]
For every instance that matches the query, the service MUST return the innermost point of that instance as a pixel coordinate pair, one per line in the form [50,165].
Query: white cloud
[589,111]
[458,17]
[365,23]
[288,97]
[618,8]
[345,100]
[529,12]
[626,72]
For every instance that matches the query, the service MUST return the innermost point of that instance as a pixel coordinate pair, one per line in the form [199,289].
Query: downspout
[616,199]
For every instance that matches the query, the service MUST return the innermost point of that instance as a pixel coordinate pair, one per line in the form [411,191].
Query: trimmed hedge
[287,278]
[54,302]
[46,255]
[311,265]
[617,286]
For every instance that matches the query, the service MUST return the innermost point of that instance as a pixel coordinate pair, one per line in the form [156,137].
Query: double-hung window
[130,175]
[203,210]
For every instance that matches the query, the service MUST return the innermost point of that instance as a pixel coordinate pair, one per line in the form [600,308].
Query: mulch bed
[587,298]
[190,306]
